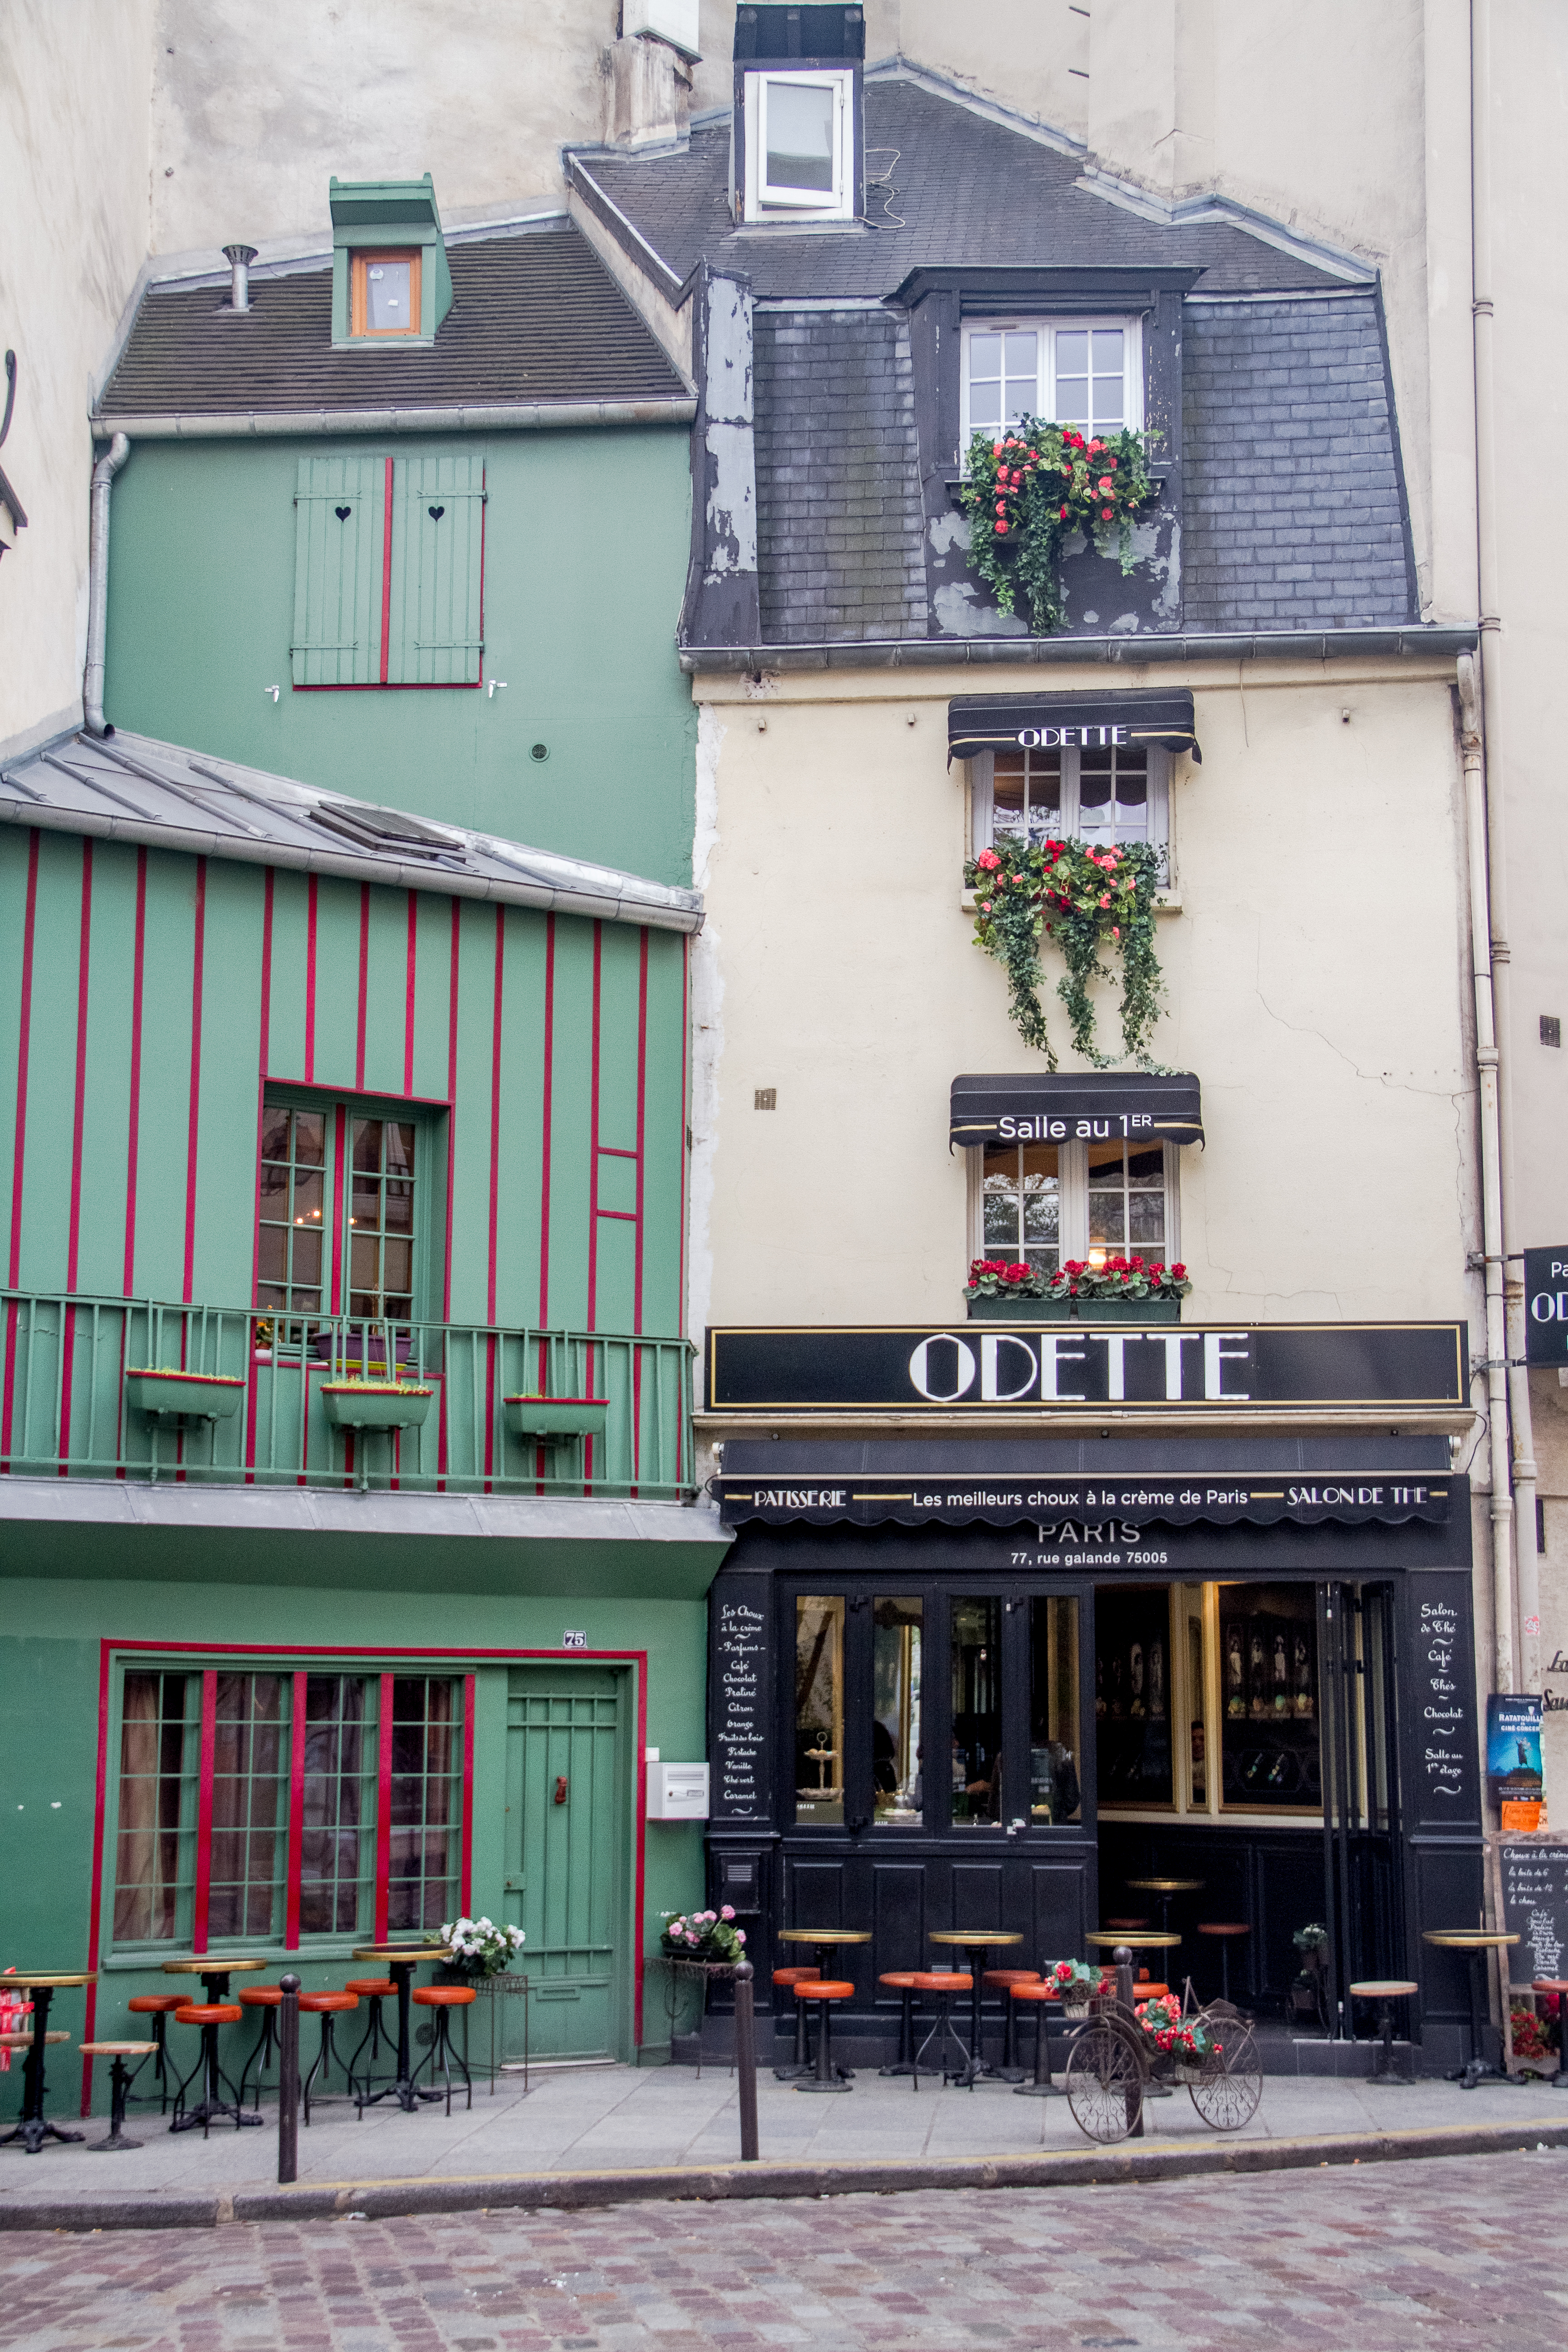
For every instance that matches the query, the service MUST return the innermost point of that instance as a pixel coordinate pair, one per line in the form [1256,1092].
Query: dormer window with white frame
[1086,372]
[800,145]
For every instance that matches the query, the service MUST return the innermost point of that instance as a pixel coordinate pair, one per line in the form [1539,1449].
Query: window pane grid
[250,1805]
[1113,795]
[1023,1205]
[1126,1199]
[293,1209]
[425,1809]
[337,1846]
[380,1219]
[1065,374]
[155,1862]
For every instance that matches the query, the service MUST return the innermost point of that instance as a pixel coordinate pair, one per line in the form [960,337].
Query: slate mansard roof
[535,318]
[1285,513]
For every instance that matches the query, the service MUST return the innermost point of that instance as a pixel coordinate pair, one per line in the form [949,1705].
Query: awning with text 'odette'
[1050,722]
[1061,1106]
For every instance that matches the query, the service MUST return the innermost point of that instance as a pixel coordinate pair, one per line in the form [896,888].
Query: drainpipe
[1491,1175]
[103,473]
[1489,726]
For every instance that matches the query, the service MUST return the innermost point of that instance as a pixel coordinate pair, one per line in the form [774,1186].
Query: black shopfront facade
[989,1675]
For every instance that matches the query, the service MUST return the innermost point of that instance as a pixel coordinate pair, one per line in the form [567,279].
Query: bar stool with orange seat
[945,1986]
[825,1991]
[160,2006]
[267,2000]
[1004,1981]
[1224,1931]
[444,2000]
[327,2006]
[801,2063]
[212,2016]
[901,1980]
[374,1990]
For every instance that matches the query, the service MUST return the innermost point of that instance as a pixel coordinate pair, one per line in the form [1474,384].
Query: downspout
[1490,728]
[103,473]
[1492,1176]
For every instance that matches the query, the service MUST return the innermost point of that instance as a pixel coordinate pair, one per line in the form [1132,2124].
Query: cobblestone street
[1459,2253]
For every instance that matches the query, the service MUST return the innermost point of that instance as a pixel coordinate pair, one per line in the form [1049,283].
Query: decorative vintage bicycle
[1124,2048]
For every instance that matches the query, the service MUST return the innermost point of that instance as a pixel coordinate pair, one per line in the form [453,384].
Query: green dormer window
[390,279]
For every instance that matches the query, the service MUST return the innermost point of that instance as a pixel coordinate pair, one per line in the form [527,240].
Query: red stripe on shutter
[386,572]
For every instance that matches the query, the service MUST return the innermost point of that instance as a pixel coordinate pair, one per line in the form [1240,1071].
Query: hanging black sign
[909,1369]
[1073,1512]
[1056,1107]
[1546,1305]
[1048,723]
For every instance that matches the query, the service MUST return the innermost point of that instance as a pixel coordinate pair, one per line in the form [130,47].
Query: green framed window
[346,1203]
[283,1804]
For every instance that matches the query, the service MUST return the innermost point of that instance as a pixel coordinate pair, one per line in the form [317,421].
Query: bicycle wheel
[1105,2082]
[1228,2091]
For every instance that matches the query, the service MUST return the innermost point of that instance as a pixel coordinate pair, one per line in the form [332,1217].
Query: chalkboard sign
[1442,1758]
[1531,1890]
[740,1695]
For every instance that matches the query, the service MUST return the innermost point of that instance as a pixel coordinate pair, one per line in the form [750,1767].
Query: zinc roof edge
[196,425]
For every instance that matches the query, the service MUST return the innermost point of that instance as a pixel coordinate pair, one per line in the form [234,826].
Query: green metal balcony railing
[70,1404]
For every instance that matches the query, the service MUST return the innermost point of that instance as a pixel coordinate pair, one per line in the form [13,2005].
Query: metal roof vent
[239,258]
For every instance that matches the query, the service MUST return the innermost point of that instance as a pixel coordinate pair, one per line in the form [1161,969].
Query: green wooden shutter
[434,635]
[339,509]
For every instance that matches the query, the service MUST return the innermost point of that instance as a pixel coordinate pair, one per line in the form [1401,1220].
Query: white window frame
[1073,1166]
[1047,330]
[982,804]
[765,202]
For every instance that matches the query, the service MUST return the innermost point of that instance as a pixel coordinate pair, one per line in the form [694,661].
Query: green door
[566,1857]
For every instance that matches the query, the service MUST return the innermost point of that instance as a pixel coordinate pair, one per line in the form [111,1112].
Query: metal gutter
[521,416]
[1122,652]
[573,894]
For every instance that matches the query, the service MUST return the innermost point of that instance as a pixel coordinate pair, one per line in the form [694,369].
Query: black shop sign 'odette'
[904,1370]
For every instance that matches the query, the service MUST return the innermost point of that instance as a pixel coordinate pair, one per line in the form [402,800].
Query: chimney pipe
[239,258]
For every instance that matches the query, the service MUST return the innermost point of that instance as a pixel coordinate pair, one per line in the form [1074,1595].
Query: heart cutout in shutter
[342,513]
[435,513]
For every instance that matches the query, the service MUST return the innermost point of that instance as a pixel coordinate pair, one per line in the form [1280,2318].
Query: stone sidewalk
[1463,2255]
[618,2119]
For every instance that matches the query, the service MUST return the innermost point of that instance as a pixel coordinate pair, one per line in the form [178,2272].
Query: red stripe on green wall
[194,1129]
[466,1887]
[642,1121]
[495,1115]
[133,1135]
[205,1812]
[363,984]
[24,1025]
[263,1051]
[95,1901]
[296,1812]
[386,572]
[383,1805]
[311,983]
[339,1305]
[549,1058]
[685,1152]
[594,1137]
[452,1115]
[409,986]
[78,1115]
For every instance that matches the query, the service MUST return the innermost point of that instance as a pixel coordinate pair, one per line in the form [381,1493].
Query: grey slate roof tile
[535,317]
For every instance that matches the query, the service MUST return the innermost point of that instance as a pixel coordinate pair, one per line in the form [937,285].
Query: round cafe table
[823,1941]
[1164,1888]
[214,1970]
[40,1988]
[1146,1940]
[1476,1943]
[976,1943]
[400,1960]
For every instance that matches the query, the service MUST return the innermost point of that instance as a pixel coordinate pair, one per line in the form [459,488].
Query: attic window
[799,146]
[385,293]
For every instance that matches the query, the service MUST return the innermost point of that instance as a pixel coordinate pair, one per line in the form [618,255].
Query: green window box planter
[386,1405]
[184,1396]
[1075,1310]
[555,1420]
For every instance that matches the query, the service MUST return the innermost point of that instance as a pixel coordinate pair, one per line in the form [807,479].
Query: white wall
[74,161]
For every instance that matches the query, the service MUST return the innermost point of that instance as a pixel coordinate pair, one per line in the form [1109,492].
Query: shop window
[819,1709]
[1086,372]
[976,1662]
[1039,1203]
[383,293]
[378,1770]
[1270,1757]
[1055,1794]
[388,571]
[799,144]
[897,1757]
[1107,794]
[344,1211]
[1131,1696]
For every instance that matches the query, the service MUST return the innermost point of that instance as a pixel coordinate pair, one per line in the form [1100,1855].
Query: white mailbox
[677,1792]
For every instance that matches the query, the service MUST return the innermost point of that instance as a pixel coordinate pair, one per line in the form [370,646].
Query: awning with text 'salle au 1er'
[1051,723]
[1382,1498]
[1046,1106]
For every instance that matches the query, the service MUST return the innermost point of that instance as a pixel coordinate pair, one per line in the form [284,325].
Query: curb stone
[1128,2164]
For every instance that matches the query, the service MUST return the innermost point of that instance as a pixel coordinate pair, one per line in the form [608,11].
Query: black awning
[1093,1512]
[993,722]
[1050,1107]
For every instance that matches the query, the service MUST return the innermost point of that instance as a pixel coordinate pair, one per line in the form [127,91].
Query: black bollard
[746,2059]
[289,2079]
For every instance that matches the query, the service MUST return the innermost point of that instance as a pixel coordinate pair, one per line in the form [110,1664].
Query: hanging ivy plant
[1029,491]
[1090,902]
